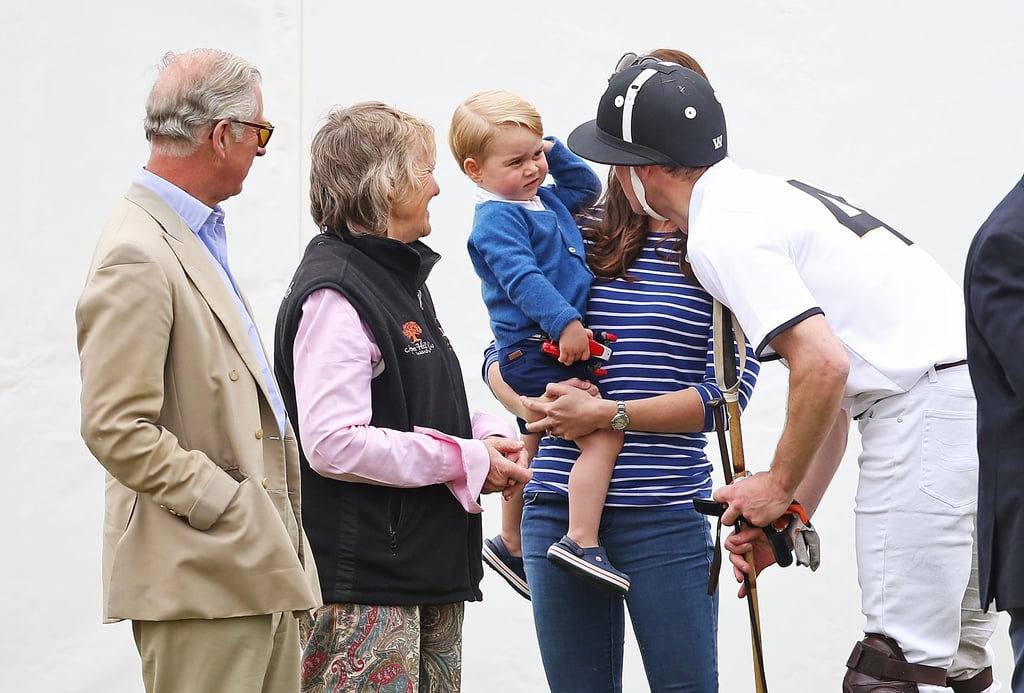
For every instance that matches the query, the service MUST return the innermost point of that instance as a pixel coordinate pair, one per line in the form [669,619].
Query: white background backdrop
[910,109]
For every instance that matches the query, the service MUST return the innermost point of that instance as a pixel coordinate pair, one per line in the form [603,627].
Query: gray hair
[195,89]
[362,160]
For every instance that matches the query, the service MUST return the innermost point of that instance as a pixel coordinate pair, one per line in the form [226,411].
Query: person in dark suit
[994,295]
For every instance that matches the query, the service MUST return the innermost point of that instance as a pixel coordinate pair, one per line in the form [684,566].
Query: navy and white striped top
[663,324]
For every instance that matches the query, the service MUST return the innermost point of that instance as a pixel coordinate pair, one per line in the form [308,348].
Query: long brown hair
[616,233]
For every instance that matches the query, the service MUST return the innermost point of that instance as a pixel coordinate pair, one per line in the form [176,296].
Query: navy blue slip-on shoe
[510,567]
[590,564]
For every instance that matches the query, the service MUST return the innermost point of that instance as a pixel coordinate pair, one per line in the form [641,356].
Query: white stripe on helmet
[632,91]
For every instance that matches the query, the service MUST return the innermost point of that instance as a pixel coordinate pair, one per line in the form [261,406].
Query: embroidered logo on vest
[412,330]
[417,346]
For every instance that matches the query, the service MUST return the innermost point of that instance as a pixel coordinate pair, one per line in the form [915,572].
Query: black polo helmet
[655,113]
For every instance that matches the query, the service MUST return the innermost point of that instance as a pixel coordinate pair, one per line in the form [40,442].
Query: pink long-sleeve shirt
[335,359]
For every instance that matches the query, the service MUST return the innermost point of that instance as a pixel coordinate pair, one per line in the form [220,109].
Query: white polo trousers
[915,509]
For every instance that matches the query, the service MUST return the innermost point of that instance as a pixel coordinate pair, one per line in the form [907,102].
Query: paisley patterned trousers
[358,648]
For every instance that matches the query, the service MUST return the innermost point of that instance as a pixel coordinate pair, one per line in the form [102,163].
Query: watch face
[620,420]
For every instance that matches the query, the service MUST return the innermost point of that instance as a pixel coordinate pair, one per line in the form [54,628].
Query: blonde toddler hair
[480,117]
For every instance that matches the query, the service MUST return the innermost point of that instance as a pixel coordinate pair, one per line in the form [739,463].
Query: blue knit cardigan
[531,264]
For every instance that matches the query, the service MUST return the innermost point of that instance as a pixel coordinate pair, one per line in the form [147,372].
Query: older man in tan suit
[203,543]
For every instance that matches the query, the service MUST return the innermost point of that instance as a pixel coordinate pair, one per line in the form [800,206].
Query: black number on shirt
[860,223]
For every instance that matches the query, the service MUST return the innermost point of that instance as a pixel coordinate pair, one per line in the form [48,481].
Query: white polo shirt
[776,251]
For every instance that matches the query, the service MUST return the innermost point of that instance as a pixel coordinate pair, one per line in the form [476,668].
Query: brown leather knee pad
[976,684]
[877,665]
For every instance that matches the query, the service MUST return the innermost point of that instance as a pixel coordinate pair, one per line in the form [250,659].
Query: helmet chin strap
[641,195]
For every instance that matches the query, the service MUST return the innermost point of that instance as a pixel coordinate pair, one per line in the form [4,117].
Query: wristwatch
[621,419]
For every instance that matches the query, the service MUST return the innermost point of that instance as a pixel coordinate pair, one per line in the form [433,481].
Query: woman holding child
[661,378]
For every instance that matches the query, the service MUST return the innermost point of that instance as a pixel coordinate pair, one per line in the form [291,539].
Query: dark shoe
[510,567]
[590,564]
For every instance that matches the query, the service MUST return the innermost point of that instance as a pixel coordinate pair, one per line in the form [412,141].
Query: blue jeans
[581,630]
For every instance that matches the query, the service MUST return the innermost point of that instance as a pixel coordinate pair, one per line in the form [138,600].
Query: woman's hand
[510,466]
[570,409]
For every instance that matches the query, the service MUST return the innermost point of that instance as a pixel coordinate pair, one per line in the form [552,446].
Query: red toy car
[600,352]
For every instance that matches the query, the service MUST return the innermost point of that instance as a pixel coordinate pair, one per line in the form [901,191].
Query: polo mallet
[726,336]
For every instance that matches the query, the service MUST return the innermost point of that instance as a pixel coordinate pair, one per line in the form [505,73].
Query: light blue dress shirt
[208,225]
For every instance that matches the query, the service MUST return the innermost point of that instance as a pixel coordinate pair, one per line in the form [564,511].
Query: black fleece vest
[378,544]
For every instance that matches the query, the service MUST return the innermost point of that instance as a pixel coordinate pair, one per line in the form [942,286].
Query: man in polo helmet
[870,326]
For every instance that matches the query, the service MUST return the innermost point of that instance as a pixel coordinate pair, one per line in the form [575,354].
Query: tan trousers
[249,654]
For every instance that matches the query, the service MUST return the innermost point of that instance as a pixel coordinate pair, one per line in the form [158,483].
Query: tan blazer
[202,495]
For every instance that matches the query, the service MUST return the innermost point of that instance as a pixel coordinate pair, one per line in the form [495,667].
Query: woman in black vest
[393,461]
